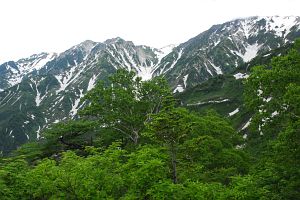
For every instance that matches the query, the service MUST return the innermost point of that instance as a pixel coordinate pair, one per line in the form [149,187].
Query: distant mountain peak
[85,46]
[114,40]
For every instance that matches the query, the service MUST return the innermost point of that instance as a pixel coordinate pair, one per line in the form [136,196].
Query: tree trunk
[174,164]
[136,137]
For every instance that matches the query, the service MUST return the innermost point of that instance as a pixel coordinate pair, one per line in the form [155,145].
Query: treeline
[133,140]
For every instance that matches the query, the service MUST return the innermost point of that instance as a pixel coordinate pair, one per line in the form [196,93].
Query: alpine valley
[203,72]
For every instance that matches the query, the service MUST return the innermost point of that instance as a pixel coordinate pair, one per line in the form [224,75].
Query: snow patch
[174,63]
[274,113]
[74,108]
[250,52]
[42,62]
[234,112]
[39,98]
[185,80]
[38,133]
[217,69]
[162,52]
[92,82]
[207,69]
[247,124]
[281,25]
[202,103]
[66,79]
[145,73]
[241,76]
[179,88]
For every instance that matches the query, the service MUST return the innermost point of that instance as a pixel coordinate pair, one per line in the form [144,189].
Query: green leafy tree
[123,105]
[200,148]
[69,135]
[273,93]
[170,127]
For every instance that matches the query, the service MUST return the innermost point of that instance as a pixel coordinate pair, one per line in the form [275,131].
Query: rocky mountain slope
[224,47]
[46,88]
[51,93]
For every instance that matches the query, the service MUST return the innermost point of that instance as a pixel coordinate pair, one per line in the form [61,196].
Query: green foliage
[200,148]
[70,135]
[278,168]
[272,90]
[123,105]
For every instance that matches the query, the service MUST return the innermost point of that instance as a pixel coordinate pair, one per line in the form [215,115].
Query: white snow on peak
[162,52]
[240,76]
[217,69]
[185,80]
[75,105]
[42,62]
[247,26]
[250,52]
[92,83]
[281,25]
[39,98]
[207,69]
[175,62]
[278,24]
[234,112]
[68,77]
[179,88]
[87,46]
[145,73]
[27,65]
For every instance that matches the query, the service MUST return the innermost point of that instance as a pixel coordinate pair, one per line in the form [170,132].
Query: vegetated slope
[224,93]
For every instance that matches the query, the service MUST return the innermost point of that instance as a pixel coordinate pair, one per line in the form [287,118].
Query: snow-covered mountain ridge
[47,88]
[224,47]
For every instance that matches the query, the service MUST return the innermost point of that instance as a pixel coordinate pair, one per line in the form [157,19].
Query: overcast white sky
[34,26]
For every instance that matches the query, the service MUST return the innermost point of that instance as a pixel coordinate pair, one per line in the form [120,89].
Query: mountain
[47,88]
[51,93]
[12,73]
[224,47]
[224,93]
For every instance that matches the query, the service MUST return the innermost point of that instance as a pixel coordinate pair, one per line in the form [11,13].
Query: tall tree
[124,103]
